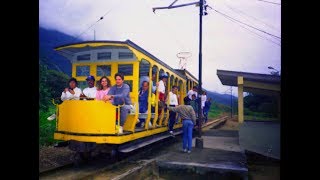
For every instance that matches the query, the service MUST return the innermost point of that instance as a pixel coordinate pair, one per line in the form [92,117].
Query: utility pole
[199,140]
[200,66]
[231,105]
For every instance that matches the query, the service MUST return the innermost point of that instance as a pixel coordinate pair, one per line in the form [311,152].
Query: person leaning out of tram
[120,94]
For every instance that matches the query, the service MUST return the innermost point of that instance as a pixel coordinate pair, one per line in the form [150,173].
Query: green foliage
[217,109]
[51,84]
[44,90]
[57,82]
[265,105]
[46,128]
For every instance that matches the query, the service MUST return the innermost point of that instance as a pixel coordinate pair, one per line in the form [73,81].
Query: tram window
[126,69]
[154,77]
[187,85]
[176,82]
[104,70]
[104,55]
[84,57]
[144,68]
[129,82]
[171,82]
[82,84]
[180,85]
[125,55]
[83,71]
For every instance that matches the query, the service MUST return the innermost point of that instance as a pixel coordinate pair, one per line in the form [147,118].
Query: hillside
[224,99]
[48,39]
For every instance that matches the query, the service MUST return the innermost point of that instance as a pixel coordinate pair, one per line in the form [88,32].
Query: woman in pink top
[103,88]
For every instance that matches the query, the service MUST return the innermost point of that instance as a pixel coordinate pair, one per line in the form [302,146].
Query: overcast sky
[226,45]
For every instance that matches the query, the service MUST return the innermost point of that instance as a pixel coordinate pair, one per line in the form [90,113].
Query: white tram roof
[69,50]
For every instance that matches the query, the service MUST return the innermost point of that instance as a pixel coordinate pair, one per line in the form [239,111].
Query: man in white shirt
[71,92]
[194,91]
[173,102]
[90,92]
[203,99]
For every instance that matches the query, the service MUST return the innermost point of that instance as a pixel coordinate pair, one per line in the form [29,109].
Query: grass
[217,109]
[46,128]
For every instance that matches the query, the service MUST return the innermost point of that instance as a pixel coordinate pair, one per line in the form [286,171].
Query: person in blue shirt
[143,100]
[119,94]
[206,109]
[146,78]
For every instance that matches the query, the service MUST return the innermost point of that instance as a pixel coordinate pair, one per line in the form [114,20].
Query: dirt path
[231,124]
[50,157]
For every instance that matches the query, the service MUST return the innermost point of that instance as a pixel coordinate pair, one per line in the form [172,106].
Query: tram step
[148,142]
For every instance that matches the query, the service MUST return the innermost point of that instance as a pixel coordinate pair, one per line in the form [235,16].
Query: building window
[129,82]
[104,70]
[125,55]
[83,71]
[126,69]
[104,55]
[84,57]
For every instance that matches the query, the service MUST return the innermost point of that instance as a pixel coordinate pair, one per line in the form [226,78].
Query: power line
[238,11]
[270,2]
[246,24]
[91,25]
[262,37]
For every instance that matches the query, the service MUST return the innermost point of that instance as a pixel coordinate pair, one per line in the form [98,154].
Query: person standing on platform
[188,117]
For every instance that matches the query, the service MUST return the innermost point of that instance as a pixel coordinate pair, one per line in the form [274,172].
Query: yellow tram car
[95,122]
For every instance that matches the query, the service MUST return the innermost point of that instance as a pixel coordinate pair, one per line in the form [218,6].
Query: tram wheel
[81,158]
[114,153]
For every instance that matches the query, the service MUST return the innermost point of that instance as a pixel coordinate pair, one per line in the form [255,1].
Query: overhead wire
[254,32]
[101,18]
[270,2]
[246,24]
[241,13]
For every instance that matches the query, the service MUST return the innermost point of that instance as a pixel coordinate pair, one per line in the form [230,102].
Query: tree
[51,84]
[261,103]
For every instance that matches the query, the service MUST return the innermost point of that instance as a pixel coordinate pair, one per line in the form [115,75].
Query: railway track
[102,162]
